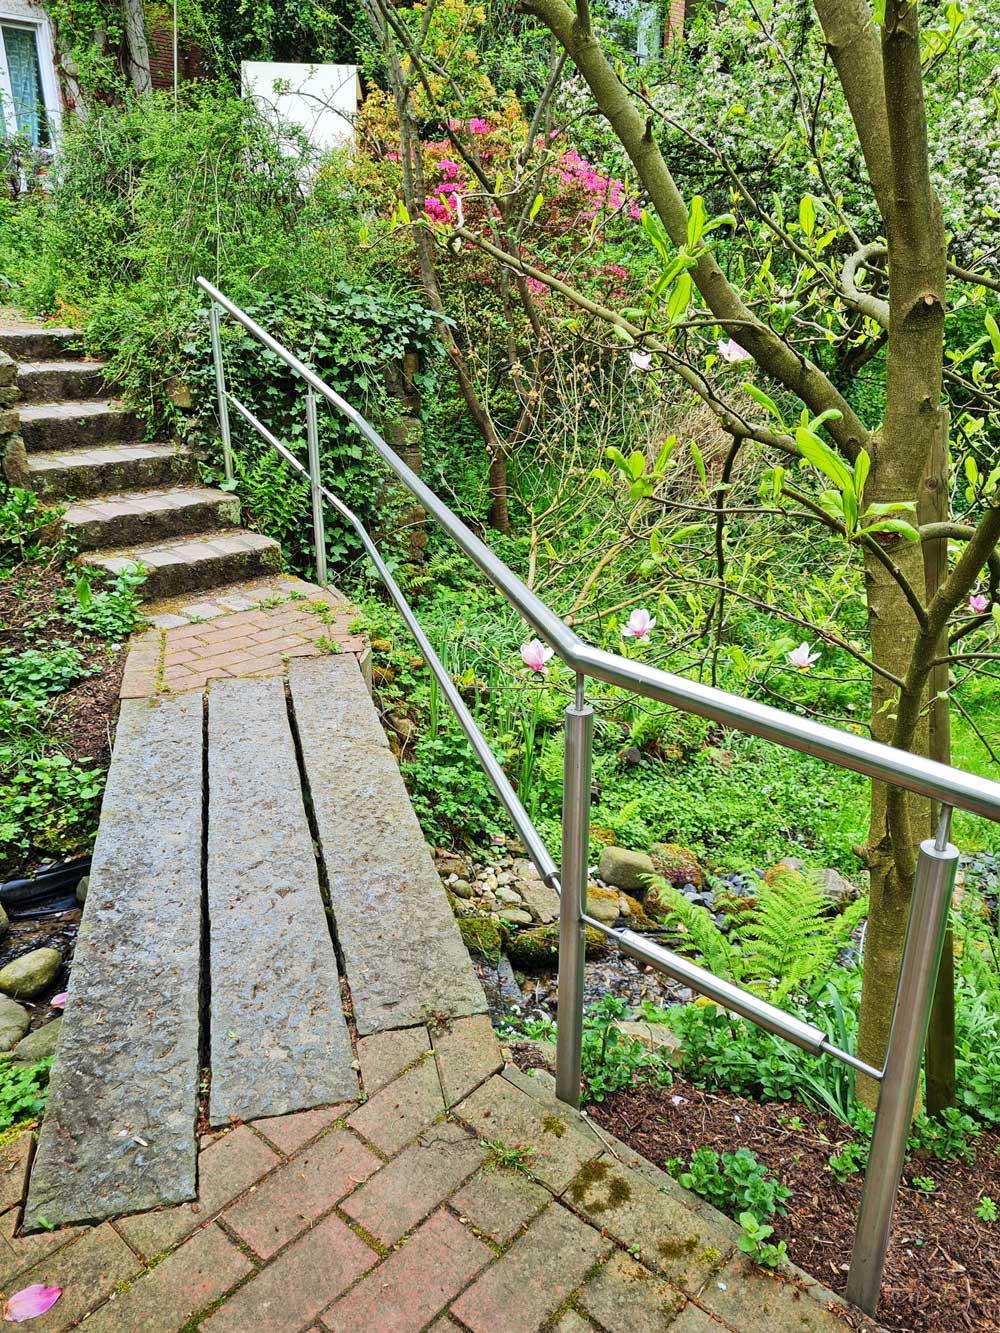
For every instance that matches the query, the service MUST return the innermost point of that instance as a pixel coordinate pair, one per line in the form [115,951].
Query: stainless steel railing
[937,861]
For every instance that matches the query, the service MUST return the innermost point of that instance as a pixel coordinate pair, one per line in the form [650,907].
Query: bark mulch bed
[943,1268]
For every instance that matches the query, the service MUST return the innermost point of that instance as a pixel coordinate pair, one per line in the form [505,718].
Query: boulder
[14,1023]
[535,950]
[839,889]
[481,935]
[37,1045]
[677,865]
[29,975]
[541,899]
[81,890]
[625,869]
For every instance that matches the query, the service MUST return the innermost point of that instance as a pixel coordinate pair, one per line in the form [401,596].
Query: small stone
[4,922]
[540,899]
[490,882]
[461,888]
[505,894]
[625,869]
[14,1023]
[29,975]
[37,1045]
[81,890]
[505,877]
[839,890]
[517,916]
[449,864]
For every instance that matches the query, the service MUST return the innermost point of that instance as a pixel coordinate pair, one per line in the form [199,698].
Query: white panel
[322,100]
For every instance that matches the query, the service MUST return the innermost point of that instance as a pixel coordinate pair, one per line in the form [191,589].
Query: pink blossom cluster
[606,192]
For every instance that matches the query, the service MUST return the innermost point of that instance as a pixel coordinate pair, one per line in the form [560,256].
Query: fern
[700,933]
[780,942]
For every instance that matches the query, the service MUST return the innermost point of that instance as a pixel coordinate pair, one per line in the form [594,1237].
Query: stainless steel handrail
[936,863]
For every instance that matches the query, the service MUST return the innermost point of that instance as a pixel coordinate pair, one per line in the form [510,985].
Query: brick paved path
[395,1215]
[454,1194]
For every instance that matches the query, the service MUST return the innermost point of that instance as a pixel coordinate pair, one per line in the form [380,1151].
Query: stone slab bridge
[277,1103]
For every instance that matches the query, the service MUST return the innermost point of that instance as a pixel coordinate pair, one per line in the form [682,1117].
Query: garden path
[277,1102]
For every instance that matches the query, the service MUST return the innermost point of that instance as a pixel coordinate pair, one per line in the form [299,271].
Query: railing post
[220,390]
[573,902]
[930,906]
[319,529]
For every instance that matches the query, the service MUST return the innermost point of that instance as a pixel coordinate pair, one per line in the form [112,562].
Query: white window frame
[51,101]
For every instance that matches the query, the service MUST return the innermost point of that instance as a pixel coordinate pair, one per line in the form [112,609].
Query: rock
[481,935]
[677,865]
[636,913]
[14,1023]
[4,922]
[508,895]
[28,975]
[461,888]
[625,869]
[37,1045]
[602,905]
[524,868]
[505,877]
[655,1036]
[404,727]
[517,916]
[490,883]
[840,890]
[81,890]
[541,899]
[791,863]
[448,863]
[536,949]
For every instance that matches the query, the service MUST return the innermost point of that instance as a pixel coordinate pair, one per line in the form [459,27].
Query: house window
[26,112]
[638,27]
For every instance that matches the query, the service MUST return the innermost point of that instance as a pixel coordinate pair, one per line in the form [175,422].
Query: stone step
[76,424]
[47,381]
[279,1040]
[193,563]
[119,1130]
[141,517]
[30,342]
[402,952]
[102,469]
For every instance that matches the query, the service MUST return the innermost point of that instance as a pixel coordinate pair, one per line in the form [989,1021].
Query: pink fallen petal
[30,1303]
[58,1001]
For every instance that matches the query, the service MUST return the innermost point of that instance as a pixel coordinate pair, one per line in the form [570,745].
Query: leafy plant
[782,940]
[112,612]
[610,1059]
[23,1091]
[753,1241]
[734,1183]
[986,1209]
[48,803]
[35,673]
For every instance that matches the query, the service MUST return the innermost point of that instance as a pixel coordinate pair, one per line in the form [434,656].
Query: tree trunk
[136,46]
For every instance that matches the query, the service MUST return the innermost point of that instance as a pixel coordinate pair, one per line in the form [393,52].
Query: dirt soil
[943,1268]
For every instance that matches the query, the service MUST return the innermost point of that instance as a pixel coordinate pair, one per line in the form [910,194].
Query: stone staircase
[126,501]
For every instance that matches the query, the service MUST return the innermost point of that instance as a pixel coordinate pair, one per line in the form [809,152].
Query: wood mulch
[943,1267]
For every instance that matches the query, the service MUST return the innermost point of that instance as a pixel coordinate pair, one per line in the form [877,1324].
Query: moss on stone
[532,950]
[481,935]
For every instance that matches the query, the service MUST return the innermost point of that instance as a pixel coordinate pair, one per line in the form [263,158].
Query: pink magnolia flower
[978,603]
[30,1302]
[534,655]
[641,360]
[640,622]
[801,658]
[732,352]
[58,1001]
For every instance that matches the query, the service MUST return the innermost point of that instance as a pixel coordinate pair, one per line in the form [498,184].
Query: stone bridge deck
[277,1103]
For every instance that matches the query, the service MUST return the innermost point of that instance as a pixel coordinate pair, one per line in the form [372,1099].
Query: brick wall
[190,59]
[674,25]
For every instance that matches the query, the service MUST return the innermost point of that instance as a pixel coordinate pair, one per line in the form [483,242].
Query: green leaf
[699,463]
[677,303]
[663,457]
[539,200]
[897,525]
[822,457]
[862,466]
[762,400]
[696,222]
[807,215]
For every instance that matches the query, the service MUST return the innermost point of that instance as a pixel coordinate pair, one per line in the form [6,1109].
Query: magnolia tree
[765,310]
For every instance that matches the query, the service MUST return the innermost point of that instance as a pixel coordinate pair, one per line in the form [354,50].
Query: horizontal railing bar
[490,764]
[766,1015]
[926,777]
